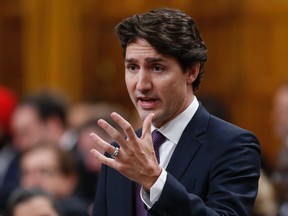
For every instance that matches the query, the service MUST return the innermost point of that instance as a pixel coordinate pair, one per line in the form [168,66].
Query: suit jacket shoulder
[214,170]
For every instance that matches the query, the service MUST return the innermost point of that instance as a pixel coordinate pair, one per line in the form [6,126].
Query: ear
[192,72]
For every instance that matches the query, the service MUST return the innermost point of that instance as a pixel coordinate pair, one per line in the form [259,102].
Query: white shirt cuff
[149,199]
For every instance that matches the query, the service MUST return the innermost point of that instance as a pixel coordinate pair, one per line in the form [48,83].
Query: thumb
[146,129]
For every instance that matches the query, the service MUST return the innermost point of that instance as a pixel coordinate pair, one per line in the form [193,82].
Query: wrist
[152,179]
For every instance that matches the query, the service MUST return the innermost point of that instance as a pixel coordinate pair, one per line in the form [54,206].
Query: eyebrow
[130,60]
[152,60]
[148,60]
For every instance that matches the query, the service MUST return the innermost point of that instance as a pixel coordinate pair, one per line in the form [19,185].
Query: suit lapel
[189,143]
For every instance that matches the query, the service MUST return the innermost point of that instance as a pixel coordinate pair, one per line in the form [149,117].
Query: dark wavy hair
[171,32]
[20,196]
[48,105]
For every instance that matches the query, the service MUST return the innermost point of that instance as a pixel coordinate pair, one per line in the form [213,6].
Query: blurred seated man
[280,180]
[8,172]
[80,113]
[53,169]
[41,116]
[32,202]
[89,168]
[280,113]
[86,123]
[266,203]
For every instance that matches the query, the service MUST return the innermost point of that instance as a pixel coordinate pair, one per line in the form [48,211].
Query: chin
[143,113]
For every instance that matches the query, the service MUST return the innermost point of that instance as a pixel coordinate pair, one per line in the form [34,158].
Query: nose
[144,81]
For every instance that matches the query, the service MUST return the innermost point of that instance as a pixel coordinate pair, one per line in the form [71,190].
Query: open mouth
[146,99]
[147,102]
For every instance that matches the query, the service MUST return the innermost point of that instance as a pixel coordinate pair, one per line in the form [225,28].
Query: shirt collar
[174,128]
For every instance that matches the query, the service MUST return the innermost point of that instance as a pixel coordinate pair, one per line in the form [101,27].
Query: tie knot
[157,139]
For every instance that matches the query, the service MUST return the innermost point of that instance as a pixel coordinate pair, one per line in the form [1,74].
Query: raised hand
[136,158]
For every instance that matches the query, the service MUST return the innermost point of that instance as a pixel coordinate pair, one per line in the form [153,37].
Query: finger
[112,132]
[104,145]
[146,130]
[105,160]
[125,125]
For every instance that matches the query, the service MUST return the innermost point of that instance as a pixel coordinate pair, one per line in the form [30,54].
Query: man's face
[40,168]
[85,144]
[280,176]
[280,112]
[157,83]
[27,127]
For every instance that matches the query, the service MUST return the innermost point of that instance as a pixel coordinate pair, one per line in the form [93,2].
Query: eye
[158,68]
[132,67]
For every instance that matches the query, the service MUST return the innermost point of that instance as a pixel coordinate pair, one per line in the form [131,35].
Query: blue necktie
[157,139]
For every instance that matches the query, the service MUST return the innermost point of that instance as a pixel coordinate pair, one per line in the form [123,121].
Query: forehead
[25,116]
[282,95]
[25,111]
[141,48]
[141,51]
[39,158]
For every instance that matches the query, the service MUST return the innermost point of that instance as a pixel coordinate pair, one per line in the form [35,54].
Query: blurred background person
[266,203]
[53,169]
[280,181]
[39,116]
[279,172]
[80,113]
[8,102]
[8,172]
[32,202]
[84,119]
[280,113]
[88,168]
[42,116]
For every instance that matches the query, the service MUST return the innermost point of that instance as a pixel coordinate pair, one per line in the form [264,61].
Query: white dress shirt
[172,131]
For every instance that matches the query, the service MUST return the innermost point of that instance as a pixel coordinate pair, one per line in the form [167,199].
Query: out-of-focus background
[71,46]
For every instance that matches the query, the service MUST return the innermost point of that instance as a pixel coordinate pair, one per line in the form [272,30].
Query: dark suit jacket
[214,170]
[11,180]
[72,206]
